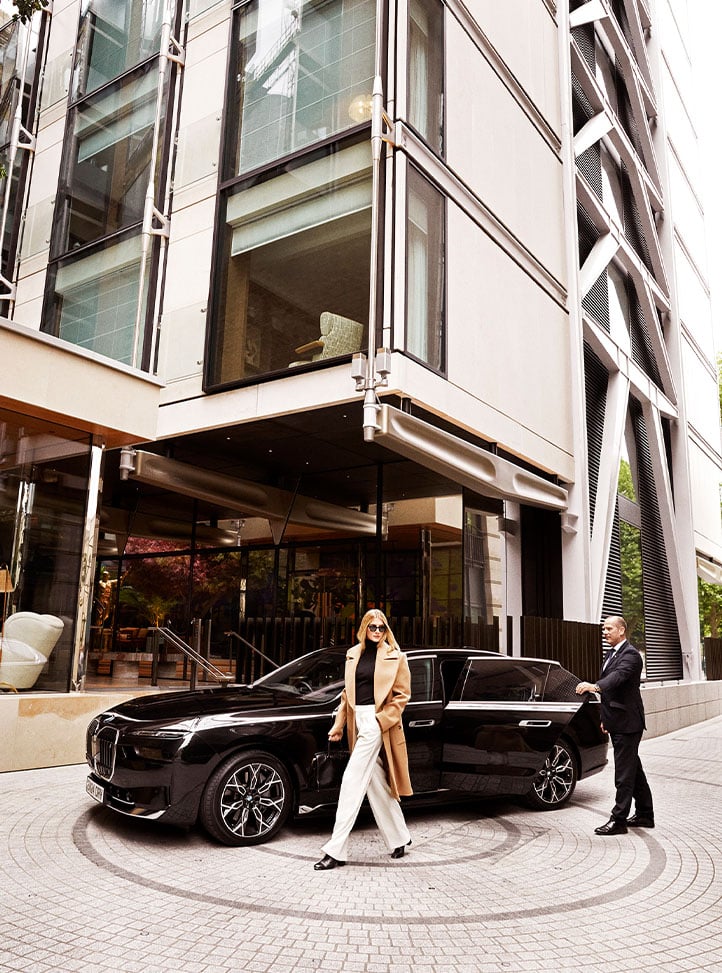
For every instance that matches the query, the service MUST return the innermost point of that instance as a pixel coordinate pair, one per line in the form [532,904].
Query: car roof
[466,651]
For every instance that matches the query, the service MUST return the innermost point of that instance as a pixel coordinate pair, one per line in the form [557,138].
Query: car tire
[247,799]
[554,784]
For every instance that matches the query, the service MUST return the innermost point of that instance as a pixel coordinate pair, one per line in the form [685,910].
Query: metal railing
[197,660]
[245,669]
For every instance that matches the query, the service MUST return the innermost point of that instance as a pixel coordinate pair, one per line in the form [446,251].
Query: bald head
[614,629]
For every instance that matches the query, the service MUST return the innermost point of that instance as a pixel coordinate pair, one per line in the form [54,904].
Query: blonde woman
[377,688]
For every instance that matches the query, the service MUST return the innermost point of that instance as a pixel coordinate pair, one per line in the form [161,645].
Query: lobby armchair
[339,336]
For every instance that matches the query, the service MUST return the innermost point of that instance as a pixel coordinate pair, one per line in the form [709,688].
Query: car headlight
[160,745]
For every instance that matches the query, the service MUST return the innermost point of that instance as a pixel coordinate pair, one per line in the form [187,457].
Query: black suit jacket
[622,707]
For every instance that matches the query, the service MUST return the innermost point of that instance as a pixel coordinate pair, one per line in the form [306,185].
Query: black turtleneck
[365,675]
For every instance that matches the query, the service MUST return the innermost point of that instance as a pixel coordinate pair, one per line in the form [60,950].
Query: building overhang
[280,507]
[466,464]
[708,570]
[55,381]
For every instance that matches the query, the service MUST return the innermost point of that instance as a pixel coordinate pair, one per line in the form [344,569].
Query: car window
[561,686]
[317,676]
[422,680]
[502,680]
[450,671]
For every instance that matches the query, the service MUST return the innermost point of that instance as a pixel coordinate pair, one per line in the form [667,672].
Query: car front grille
[102,749]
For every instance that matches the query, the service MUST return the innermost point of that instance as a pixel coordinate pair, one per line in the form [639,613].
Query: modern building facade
[311,306]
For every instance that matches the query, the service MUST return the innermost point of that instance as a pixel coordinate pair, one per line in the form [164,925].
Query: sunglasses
[377,628]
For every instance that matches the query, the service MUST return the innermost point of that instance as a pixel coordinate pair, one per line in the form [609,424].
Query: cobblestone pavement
[485,888]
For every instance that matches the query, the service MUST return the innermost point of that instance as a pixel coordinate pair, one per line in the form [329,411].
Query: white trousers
[365,777]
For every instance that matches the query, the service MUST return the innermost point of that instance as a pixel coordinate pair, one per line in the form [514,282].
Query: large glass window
[22,48]
[294,283]
[484,573]
[96,296]
[426,70]
[304,73]
[425,271]
[96,299]
[114,37]
[43,496]
[112,139]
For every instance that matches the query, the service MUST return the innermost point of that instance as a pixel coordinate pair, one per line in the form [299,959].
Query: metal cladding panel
[595,387]
[664,650]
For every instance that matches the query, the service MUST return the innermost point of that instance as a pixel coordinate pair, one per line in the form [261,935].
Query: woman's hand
[335,735]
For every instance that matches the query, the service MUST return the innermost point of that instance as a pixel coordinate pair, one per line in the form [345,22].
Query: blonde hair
[376,615]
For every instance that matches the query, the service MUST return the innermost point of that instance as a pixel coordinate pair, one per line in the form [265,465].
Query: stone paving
[485,888]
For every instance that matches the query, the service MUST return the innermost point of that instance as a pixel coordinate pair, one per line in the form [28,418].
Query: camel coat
[392,691]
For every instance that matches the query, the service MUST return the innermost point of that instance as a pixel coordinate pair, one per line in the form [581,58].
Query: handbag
[327,768]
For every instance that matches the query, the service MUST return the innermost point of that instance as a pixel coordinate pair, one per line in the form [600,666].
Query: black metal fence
[713,658]
[286,638]
[576,645]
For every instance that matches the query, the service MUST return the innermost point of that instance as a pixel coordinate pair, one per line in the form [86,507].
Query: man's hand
[586,687]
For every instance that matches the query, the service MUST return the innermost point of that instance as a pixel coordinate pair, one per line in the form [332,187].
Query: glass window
[43,496]
[422,680]
[425,272]
[484,576]
[295,281]
[304,73]
[503,681]
[22,49]
[112,142]
[95,299]
[426,70]
[113,38]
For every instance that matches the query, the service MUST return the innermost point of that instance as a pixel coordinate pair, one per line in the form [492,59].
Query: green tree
[26,9]
[710,595]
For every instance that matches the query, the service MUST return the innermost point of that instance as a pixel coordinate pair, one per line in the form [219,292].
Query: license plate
[96,791]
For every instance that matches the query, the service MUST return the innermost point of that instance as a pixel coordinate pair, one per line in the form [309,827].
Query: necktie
[608,659]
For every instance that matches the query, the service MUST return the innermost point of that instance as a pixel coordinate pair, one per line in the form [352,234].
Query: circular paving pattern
[485,888]
[275,878]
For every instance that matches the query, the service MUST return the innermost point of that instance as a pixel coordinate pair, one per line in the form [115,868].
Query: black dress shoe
[640,821]
[327,862]
[612,827]
[399,852]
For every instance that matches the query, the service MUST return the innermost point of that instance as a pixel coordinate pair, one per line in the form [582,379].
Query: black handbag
[327,768]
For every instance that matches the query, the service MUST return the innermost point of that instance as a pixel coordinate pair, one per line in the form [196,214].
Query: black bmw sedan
[241,759]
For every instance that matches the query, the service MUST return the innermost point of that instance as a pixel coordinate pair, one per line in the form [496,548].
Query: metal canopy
[470,466]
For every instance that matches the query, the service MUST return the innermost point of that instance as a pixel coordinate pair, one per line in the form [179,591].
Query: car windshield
[317,677]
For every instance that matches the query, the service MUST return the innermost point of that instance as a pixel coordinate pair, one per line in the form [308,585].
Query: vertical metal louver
[626,117]
[642,353]
[632,224]
[589,163]
[596,301]
[664,651]
[595,388]
[612,602]
[584,37]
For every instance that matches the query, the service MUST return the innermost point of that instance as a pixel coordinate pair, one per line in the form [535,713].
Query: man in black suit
[623,719]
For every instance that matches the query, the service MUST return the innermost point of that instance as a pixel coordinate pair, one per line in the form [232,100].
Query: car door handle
[535,723]
[422,723]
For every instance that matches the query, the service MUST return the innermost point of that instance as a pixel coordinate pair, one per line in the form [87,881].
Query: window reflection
[43,493]
[114,37]
[426,70]
[108,174]
[304,73]
[296,281]
[425,272]
[95,299]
